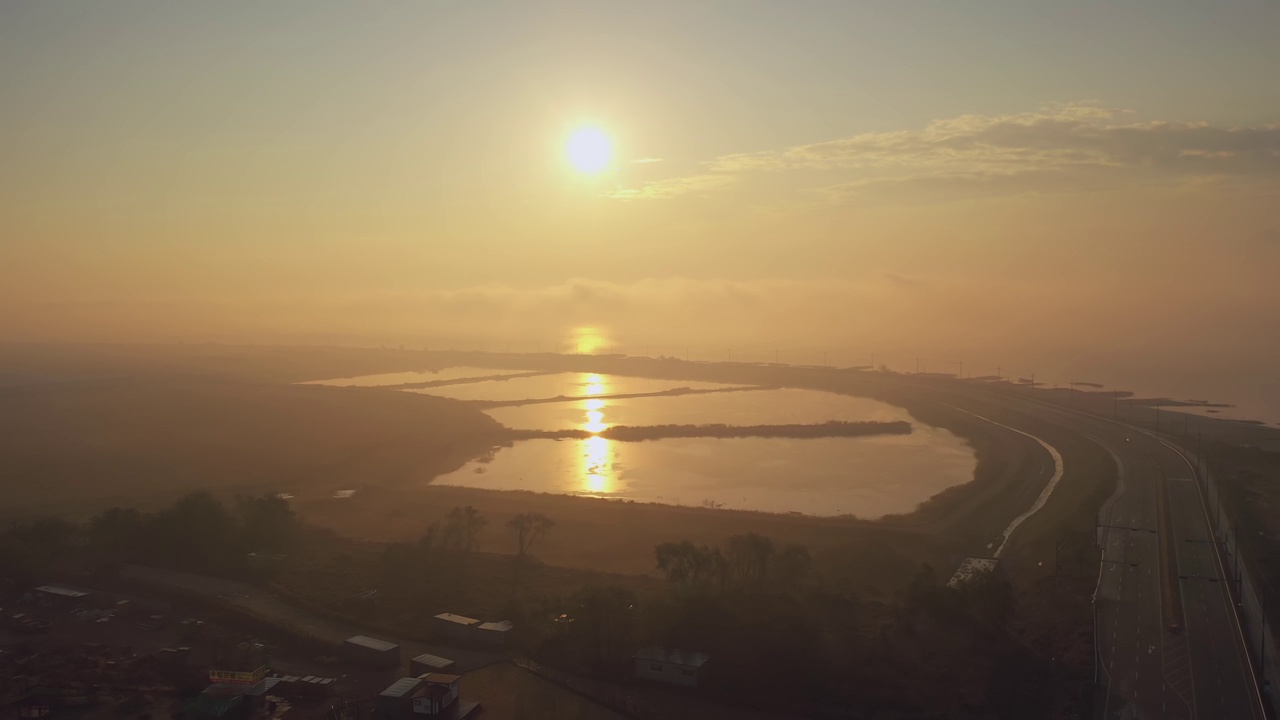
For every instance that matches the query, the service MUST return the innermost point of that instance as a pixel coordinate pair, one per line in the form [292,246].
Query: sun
[589,150]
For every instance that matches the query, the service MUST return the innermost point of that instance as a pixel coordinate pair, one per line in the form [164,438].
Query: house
[454,627]
[245,665]
[371,651]
[427,663]
[678,667]
[434,695]
[493,634]
[440,692]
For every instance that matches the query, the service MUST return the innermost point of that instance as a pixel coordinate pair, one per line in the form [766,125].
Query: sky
[1085,187]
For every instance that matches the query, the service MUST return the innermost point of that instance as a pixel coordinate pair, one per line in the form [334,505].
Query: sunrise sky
[1082,182]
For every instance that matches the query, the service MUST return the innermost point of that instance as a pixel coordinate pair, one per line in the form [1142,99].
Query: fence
[1249,589]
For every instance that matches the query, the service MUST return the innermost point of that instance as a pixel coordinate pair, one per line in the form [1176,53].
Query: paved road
[1149,670]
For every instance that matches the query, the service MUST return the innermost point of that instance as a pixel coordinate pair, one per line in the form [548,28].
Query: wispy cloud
[646,161]
[677,186]
[1063,148]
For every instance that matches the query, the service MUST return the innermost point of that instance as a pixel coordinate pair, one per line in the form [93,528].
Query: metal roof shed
[428,663]
[364,649]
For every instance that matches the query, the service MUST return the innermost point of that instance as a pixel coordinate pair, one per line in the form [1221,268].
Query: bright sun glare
[589,150]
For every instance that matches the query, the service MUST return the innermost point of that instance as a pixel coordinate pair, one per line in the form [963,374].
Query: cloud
[1063,148]
[646,161]
[673,187]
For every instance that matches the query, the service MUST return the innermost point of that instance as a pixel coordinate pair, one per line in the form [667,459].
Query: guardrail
[1248,593]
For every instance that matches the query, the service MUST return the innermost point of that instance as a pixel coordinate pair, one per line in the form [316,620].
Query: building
[396,702]
[227,700]
[371,651]
[678,667]
[493,634]
[60,596]
[244,676]
[454,627]
[245,665]
[427,663]
[434,695]
[294,686]
[440,698]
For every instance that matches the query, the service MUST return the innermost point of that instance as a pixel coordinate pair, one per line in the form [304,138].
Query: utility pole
[1071,394]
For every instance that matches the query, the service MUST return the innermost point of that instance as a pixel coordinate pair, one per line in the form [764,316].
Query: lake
[865,476]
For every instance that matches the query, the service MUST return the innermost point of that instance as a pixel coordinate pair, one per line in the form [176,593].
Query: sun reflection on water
[597,452]
[597,468]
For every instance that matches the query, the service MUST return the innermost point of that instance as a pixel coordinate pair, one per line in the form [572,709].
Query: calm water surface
[868,477]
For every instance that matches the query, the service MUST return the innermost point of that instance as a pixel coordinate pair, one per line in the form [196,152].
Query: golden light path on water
[596,452]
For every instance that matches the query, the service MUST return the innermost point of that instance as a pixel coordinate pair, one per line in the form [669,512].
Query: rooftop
[683,658]
[434,661]
[401,687]
[459,619]
[500,626]
[63,591]
[441,678]
[374,643]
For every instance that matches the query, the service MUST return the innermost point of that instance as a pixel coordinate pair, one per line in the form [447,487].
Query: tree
[528,527]
[989,598]
[462,527]
[267,523]
[792,565]
[197,531]
[689,565]
[122,531]
[429,538]
[748,557]
[603,630]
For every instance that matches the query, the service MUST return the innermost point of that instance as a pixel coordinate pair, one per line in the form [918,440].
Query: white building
[678,667]
[439,693]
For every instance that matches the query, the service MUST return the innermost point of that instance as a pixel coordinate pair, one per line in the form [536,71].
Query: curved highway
[1168,640]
